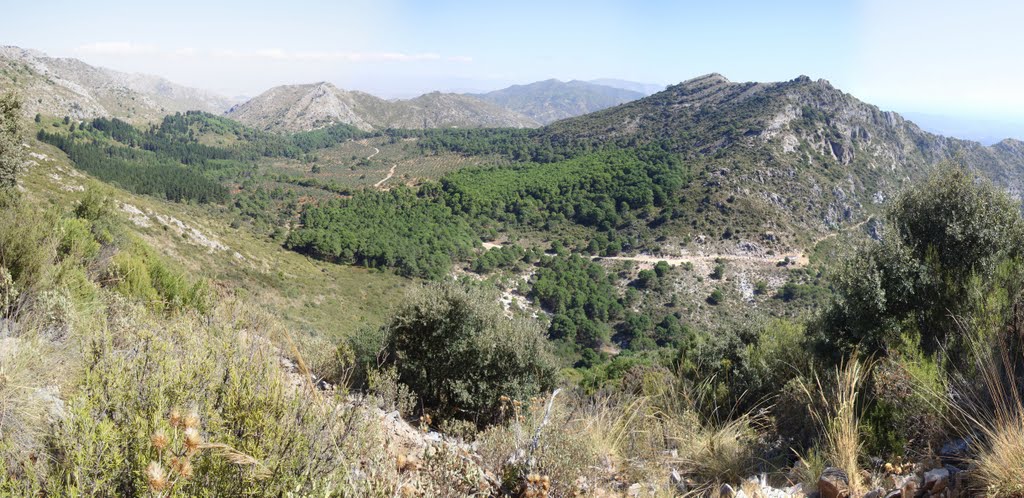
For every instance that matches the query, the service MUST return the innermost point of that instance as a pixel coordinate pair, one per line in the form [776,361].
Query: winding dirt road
[391,173]
[375,152]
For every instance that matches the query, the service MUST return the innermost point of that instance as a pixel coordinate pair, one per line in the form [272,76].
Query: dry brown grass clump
[840,423]
[998,469]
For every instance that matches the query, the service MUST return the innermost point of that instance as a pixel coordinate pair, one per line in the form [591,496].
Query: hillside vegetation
[712,283]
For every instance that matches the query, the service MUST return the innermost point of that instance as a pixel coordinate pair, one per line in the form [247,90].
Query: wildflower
[182,467]
[175,417]
[156,477]
[192,419]
[159,440]
[192,439]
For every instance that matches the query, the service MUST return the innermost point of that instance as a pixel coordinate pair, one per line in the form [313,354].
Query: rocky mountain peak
[59,86]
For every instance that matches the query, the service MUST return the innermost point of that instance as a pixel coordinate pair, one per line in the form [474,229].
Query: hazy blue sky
[937,56]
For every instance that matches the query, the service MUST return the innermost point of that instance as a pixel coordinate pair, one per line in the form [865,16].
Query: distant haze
[986,131]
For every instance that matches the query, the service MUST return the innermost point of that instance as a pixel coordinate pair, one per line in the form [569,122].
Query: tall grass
[997,415]
[841,443]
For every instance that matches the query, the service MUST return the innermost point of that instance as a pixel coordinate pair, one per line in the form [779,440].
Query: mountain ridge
[64,86]
[304,107]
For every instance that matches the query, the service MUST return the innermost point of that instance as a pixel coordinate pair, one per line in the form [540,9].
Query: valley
[572,288]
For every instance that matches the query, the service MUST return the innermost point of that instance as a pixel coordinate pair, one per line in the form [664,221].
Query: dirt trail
[797,259]
[375,152]
[837,232]
[391,173]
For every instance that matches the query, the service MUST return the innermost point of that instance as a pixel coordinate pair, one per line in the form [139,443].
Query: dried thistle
[192,440]
[159,440]
[156,477]
[182,467]
[175,418]
[192,419]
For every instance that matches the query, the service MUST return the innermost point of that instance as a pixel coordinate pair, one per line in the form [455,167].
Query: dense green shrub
[948,237]
[11,152]
[140,274]
[460,354]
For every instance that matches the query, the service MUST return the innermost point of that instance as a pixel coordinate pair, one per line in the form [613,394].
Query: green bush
[716,297]
[459,353]
[140,274]
[949,238]
[255,433]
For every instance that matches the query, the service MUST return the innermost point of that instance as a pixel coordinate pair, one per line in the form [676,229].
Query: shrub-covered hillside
[151,348]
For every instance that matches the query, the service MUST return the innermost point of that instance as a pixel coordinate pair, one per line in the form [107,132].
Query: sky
[935,57]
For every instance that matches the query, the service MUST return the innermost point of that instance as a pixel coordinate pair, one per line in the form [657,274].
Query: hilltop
[805,152]
[292,108]
[551,100]
[56,86]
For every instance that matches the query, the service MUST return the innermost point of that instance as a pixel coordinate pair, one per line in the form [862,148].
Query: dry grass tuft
[999,417]
[841,445]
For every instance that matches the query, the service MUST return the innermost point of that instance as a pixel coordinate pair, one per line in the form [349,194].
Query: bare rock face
[293,108]
[69,87]
[834,483]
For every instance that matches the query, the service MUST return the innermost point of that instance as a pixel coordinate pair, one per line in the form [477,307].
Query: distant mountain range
[551,100]
[309,106]
[69,87]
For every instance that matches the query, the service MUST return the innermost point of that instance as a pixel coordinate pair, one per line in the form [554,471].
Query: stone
[936,480]
[875,493]
[909,488]
[956,451]
[726,491]
[834,483]
[677,481]
[956,486]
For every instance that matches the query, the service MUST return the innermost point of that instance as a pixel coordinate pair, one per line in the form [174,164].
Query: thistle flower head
[192,419]
[159,440]
[192,439]
[182,466]
[156,477]
[175,417]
